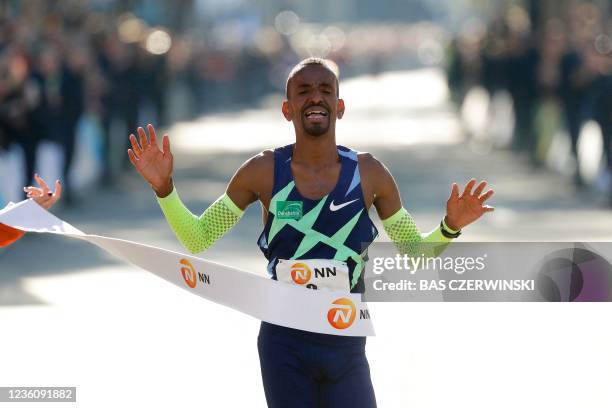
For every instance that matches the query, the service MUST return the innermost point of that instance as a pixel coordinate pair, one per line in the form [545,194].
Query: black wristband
[447,233]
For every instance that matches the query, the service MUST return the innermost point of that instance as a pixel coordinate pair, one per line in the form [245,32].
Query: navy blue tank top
[335,227]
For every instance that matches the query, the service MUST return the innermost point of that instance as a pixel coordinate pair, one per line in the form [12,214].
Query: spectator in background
[465,67]
[152,84]
[47,75]
[547,112]
[117,91]
[494,67]
[551,47]
[112,59]
[601,99]
[521,61]
[578,77]
[60,86]
[127,79]
[73,105]
[18,101]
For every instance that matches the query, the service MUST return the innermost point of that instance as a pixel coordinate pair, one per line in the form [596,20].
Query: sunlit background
[515,92]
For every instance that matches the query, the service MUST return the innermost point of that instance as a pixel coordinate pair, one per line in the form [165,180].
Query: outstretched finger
[35,196]
[49,200]
[166,144]
[143,138]
[41,182]
[132,156]
[468,187]
[38,197]
[58,191]
[33,191]
[488,208]
[152,134]
[486,196]
[454,191]
[480,188]
[135,146]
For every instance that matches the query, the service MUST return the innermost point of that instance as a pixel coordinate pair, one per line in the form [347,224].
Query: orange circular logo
[189,273]
[300,273]
[8,235]
[342,315]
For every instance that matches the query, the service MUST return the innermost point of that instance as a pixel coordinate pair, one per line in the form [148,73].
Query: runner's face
[313,102]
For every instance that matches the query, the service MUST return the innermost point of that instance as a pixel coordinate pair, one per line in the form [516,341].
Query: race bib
[314,273]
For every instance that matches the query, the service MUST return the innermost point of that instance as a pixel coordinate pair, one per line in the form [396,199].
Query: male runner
[315,197]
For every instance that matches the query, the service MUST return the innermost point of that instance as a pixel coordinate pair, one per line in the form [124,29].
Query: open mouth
[316,113]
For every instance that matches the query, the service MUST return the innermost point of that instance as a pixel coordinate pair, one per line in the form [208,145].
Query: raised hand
[42,195]
[464,209]
[153,164]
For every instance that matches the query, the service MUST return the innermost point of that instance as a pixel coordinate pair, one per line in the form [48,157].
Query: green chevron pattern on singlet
[312,237]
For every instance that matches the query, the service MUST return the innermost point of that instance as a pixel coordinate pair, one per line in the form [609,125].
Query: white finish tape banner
[320,311]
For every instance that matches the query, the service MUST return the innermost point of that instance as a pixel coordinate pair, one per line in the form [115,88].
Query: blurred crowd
[108,65]
[558,64]
[63,61]
[52,75]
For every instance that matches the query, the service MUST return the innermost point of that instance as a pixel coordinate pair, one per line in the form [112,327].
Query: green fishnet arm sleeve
[404,233]
[199,233]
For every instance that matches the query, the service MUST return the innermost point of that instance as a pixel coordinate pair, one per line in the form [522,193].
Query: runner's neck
[316,153]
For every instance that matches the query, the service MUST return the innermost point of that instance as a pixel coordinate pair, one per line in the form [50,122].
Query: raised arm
[398,223]
[196,233]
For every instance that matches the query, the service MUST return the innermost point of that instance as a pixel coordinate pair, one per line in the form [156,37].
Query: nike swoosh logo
[333,207]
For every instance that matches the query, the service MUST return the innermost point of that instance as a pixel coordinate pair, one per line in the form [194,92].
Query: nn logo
[300,273]
[343,312]
[191,276]
[324,272]
[289,210]
[8,235]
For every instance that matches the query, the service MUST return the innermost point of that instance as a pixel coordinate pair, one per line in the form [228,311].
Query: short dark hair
[330,65]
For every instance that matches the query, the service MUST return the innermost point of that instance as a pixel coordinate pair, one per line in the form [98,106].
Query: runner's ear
[286,110]
[340,108]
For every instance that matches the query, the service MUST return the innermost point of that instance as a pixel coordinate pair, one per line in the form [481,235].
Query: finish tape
[320,311]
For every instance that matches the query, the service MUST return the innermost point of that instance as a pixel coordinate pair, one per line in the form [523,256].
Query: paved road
[74,315]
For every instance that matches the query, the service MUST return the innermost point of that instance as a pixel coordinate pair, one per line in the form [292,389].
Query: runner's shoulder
[375,176]
[257,169]
[370,166]
[253,180]
[261,163]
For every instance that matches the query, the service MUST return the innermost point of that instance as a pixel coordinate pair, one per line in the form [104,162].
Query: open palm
[464,209]
[153,164]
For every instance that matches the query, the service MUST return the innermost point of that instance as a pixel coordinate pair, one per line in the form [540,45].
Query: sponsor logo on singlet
[300,273]
[336,207]
[314,273]
[191,276]
[289,210]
